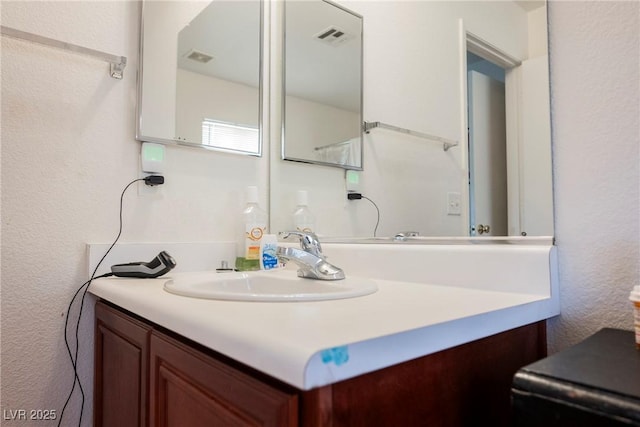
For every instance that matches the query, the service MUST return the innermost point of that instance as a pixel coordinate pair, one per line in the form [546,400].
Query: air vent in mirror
[198,56]
[332,35]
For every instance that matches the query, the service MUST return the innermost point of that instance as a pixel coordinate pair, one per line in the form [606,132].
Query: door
[487,156]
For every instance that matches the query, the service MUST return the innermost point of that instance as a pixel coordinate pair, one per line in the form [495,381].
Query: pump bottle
[254,220]
[303,219]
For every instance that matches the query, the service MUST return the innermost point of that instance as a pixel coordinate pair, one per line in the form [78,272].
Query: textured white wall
[68,149]
[595,77]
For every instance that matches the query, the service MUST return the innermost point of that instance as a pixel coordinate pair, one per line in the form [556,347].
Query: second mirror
[322,85]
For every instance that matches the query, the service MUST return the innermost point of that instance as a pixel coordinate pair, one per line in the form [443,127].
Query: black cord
[76,378]
[375,230]
[74,358]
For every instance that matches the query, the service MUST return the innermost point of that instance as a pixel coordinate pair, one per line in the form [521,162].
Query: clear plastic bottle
[303,219]
[254,226]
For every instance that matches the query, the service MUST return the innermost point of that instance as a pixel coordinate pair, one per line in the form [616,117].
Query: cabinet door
[121,369]
[192,389]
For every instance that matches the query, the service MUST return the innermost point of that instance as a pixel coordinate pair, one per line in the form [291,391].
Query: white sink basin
[274,285]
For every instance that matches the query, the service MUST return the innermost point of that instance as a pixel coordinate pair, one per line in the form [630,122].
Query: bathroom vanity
[433,345]
[147,375]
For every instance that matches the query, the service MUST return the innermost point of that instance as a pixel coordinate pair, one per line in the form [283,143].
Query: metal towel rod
[335,144]
[446,143]
[118,63]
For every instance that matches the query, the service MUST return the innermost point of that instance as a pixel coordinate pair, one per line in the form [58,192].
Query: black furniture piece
[594,383]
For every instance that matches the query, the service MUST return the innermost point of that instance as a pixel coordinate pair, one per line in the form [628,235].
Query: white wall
[306,127]
[68,149]
[232,102]
[595,99]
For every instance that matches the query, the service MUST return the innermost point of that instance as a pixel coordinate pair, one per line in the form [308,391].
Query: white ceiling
[530,5]
[230,32]
[314,70]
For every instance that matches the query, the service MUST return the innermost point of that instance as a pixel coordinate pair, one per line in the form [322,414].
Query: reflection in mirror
[322,84]
[418,57]
[201,74]
[509,134]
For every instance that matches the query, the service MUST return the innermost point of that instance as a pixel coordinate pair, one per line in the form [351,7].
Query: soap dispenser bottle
[303,219]
[254,221]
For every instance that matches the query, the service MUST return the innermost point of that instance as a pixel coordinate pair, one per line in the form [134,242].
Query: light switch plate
[454,203]
[152,158]
[352,180]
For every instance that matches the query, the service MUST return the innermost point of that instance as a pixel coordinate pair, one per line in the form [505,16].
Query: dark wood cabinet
[121,369]
[146,375]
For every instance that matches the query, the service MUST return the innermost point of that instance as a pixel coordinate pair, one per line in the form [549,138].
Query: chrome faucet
[311,261]
[404,235]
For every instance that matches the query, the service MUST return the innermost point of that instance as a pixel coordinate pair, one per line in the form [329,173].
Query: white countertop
[310,344]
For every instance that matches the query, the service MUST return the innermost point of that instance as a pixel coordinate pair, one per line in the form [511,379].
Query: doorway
[487,139]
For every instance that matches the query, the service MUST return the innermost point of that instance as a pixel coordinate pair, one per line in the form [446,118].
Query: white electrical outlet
[454,203]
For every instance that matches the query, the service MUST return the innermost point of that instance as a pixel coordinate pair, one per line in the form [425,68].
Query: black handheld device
[158,266]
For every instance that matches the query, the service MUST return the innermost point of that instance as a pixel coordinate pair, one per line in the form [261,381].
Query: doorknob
[483,229]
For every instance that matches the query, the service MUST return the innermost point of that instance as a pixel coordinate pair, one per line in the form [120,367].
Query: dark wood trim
[317,406]
[542,339]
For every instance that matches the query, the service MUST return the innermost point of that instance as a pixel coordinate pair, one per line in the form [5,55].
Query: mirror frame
[283,155]
[261,85]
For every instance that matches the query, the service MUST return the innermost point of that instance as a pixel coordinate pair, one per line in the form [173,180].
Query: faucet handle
[308,241]
[404,235]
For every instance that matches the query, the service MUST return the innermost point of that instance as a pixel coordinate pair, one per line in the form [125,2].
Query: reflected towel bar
[117,62]
[446,143]
[335,144]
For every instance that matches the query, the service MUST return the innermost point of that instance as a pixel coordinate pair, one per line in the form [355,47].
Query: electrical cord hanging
[150,180]
[375,230]
[76,378]
[358,196]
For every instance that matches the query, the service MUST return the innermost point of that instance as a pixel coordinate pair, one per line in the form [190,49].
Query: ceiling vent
[332,35]
[198,56]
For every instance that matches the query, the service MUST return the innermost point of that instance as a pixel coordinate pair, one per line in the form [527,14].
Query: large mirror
[322,84]
[424,61]
[201,74]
